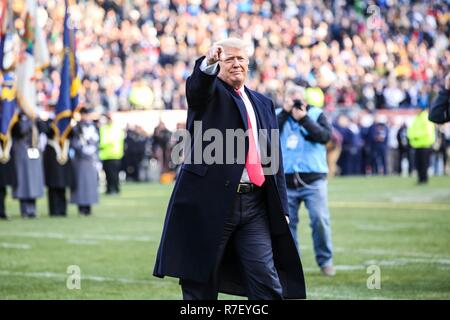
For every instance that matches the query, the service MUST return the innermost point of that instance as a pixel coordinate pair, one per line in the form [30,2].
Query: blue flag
[8,115]
[68,94]
[8,102]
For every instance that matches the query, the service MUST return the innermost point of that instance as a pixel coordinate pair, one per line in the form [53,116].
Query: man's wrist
[302,119]
[210,69]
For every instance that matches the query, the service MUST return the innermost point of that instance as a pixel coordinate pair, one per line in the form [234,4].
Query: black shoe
[3,216]
[56,215]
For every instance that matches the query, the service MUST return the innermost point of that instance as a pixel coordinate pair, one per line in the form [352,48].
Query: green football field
[389,225]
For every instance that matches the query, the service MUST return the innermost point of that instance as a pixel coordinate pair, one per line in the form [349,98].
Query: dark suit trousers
[247,230]
[112,168]
[422,163]
[57,204]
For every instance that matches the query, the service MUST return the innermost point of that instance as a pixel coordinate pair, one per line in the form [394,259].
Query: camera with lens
[298,104]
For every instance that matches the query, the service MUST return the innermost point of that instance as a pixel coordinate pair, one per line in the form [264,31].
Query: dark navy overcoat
[204,194]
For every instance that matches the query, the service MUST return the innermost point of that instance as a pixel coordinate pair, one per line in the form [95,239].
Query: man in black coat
[7,178]
[440,107]
[226,226]
[56,169]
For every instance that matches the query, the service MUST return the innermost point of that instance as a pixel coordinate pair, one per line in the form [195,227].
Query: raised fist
[213,55]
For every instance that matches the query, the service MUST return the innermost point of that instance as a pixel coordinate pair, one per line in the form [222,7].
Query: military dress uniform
[57,172]
[28,163]
[84,185]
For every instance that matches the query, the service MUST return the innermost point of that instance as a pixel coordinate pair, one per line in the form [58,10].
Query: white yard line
[390,227]
[391,252]
[23,246]
[62,276]
[391,205]
[82,242]
[443,263]
[79,237]
[340,296]
[407,261]
[338,268]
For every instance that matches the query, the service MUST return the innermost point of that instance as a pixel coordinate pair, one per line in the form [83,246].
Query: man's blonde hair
[236,43]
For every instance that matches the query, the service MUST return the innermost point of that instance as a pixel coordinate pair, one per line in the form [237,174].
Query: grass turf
[390,222]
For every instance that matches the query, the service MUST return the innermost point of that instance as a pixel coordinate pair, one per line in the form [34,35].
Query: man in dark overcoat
[28,164]
[56,168]
[226,228]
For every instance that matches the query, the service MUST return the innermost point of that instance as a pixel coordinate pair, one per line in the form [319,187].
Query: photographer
[440,107]
[304,132]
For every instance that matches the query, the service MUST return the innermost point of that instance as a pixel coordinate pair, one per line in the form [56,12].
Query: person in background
[28,164]
[304,132]
[378,141]
[334,148]
[352,142]
[56,169]
[440,107]
[112,139]
[421,136]
[439,152]
[84,187]
[7,178]
[404,149]
[161,140]
[134,152]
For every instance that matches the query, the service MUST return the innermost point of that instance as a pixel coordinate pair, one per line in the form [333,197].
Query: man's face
[233,67]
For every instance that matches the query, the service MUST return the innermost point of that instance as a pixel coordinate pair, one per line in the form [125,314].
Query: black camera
[298,104]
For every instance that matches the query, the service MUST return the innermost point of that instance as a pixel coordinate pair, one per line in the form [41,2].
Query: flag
[8,102]
[3,12]
[74,69]
[41,53]
[26,84]
[8,115]
[9,42]
[68,91]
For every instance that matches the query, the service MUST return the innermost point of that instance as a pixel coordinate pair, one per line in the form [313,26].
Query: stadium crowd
[137,54]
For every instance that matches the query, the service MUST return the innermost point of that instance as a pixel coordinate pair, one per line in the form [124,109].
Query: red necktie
[253,161]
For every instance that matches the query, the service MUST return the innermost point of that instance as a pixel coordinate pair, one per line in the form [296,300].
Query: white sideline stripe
[338,268]
[391,252]
[82,242]
[81,237]
[53,275]
[384,227]
[339,296]
[403,261]
[24,246]
[391,205]
[409,197]
[395,262]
